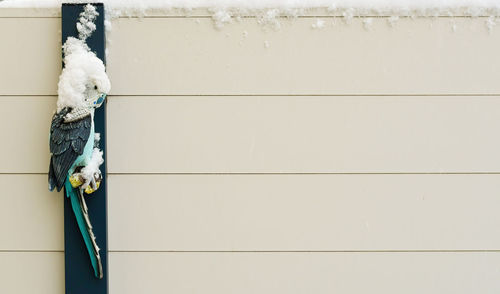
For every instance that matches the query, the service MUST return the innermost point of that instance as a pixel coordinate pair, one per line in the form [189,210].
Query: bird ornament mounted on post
[74,145]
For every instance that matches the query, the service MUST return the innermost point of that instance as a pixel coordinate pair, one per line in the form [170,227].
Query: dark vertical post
[80,277]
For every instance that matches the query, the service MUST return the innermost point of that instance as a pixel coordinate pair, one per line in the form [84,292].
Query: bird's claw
[94,183]
[88,184]
[76,180]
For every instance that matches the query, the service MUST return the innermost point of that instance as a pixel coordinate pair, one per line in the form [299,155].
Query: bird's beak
[100,100]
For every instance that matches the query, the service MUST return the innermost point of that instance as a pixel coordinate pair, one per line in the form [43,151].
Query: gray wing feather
[67,142]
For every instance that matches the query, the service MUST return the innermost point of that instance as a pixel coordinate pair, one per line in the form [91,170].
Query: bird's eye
[95,87]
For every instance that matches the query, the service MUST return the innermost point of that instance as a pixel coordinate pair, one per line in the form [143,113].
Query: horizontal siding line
[29,95]
[310,173]
[268,95]
[28,174]
[275,173]
[313,16]
[47,17]
[207,16]
[310,251]
[305,95]
[29,251]
[312,95]
[270,251]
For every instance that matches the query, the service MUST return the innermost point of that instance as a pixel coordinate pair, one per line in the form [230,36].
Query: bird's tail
[82,218]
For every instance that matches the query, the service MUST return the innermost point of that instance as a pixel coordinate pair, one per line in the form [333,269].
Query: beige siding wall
[340,160]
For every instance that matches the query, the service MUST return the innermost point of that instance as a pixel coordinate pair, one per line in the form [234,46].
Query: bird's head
[95,93]
[83,81]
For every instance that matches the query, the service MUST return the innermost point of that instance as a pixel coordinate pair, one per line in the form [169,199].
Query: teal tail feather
[82,218]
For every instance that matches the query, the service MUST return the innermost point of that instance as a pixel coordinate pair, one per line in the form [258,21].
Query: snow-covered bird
[75,155]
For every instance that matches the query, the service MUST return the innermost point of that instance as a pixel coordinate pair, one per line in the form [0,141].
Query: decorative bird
[75,154]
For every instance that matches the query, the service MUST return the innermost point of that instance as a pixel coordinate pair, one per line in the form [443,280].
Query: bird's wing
[67,142]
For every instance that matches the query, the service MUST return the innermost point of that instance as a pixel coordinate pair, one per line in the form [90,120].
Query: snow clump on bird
[81,69]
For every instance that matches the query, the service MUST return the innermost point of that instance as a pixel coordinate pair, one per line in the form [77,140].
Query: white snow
[86,25]
[84,75]
[265,4]
[269,18]
[490,23]
[318,24]
[269,12]
[392,20]
[82,71]
[92,167]
[367,23]
[348,14]
[221,17]
[288,7]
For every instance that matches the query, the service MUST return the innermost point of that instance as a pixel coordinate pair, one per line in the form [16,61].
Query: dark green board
[80,277]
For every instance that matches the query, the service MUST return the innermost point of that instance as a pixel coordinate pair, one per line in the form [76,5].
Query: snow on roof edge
[266,11]
[359,6]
